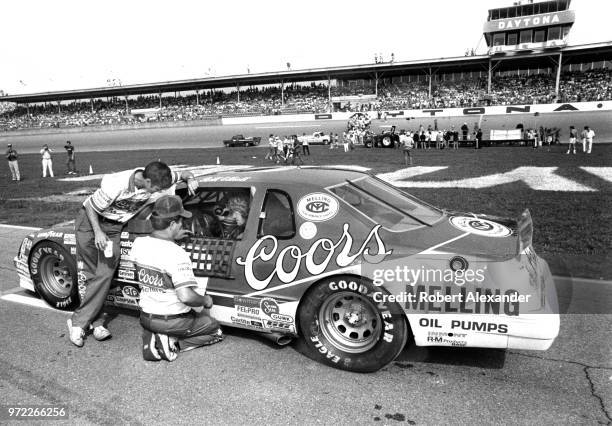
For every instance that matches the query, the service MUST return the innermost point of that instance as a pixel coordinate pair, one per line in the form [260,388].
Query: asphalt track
[199,136]
[245,379]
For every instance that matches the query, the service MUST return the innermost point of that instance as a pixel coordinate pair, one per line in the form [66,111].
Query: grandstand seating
[592,85]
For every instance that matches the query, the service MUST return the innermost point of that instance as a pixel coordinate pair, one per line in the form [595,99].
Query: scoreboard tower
[528,26]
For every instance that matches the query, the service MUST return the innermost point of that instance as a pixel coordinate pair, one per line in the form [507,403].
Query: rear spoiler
[524,231]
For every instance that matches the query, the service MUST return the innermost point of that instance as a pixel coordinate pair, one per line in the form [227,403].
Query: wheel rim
[350,321]
[55,276]
[386,141]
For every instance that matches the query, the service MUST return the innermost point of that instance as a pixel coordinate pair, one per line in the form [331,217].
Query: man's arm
[190,298]
[192,184]
[92,215]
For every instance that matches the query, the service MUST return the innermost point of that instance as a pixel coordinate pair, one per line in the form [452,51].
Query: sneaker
[75,334]
[149,351]
[101,333]
[167,346]
[212,339]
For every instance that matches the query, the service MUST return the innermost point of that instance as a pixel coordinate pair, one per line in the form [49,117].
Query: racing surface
[247,379]
[199,136]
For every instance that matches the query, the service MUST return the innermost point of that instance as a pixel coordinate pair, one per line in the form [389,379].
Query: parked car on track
[315,138]
[351,266]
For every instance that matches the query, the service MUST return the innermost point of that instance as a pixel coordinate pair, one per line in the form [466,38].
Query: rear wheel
[54,273]
[342,326]
[387,142]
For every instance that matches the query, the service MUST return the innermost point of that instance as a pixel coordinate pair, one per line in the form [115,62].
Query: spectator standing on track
[70,164]
[572,140]
[98,227]
[464,131]
[11,156]
[478,138]
[166,313]
[345,142]
[271,147]
[47,163]
[455,138]
[415,139]
[407,144]
[590,134]
[305,146]
[583,137]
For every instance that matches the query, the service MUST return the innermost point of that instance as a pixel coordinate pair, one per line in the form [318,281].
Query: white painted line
[28,228]
[288,127]
[30,301]
[604,173]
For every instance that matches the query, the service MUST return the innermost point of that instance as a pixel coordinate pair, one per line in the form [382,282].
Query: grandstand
[527,62]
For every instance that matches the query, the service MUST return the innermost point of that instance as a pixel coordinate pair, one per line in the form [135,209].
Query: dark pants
[95,272]
[305,149]
[70,165]
[193,329]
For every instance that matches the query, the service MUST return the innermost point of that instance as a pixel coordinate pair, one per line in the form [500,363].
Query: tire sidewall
[316,346]
[39,252]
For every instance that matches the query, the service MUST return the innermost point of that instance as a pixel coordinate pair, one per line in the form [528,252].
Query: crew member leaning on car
[167,287]
[99,224]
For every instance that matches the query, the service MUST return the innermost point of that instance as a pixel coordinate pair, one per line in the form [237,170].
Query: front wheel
[54,273]
[342,326]
[387,142]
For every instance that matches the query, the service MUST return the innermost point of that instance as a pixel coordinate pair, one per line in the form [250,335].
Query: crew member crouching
[167,284]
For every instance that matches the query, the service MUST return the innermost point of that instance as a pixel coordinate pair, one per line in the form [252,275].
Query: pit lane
[245,379]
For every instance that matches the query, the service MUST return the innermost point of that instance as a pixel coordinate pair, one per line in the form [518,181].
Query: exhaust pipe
[279,339]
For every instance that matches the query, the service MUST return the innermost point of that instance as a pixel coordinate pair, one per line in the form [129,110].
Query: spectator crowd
[592,85]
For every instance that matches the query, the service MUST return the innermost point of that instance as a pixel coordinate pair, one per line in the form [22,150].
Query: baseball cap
[170,206]
[9,144]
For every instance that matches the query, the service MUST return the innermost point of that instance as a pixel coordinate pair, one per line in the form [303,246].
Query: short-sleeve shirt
[11,154]
[69,150]
[46,154]
[118,198]
[162,267]
[590,135]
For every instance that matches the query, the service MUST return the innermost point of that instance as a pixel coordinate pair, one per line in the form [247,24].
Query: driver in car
[237,212]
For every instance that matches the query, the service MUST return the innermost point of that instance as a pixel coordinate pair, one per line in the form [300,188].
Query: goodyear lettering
[265,249]
[64,303]
[351,285]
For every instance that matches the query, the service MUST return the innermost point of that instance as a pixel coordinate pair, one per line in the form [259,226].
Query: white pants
[14,166]
[589,146]
[47,163]
[346,146]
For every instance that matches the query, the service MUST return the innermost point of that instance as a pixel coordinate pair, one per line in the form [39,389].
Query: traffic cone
[90,170]
[218,162]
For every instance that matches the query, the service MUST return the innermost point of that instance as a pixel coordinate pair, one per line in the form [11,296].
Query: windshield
[385,204]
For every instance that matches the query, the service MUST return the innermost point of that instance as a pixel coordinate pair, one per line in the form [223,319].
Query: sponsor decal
[22,268]
[125,235]
[281,317]
[265,249]
[152,278]
[247,307]
[323,116]
[70,239]
[450,339]
[110,298]
[269,306]
[308,230]
[130,292]
[125,301]
[126,264]
[81,283]
[278,326]
[125,251]
[483,227]
[317,207]
[126,243]
[223,178]
[26,245]
[73,251]
[126,275]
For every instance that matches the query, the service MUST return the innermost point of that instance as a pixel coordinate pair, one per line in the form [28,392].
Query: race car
[350,266]
[240,140]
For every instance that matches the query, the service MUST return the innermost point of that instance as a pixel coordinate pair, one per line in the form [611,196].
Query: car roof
[319,176]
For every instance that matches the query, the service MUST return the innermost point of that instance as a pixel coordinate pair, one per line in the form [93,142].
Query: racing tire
[368,144]
[53,270]
[387,142]
[343,327]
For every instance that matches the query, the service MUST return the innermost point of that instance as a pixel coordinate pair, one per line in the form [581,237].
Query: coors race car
[319,261]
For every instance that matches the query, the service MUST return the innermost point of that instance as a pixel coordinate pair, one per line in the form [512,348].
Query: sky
[51,45]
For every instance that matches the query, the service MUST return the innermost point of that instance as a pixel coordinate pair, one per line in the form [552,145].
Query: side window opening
[277,217]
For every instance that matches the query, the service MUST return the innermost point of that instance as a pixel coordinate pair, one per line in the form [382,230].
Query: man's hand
[101,239]
[192,184]
[183,233]
[208,302]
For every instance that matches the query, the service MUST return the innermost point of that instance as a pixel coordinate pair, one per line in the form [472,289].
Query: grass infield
[572,230]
